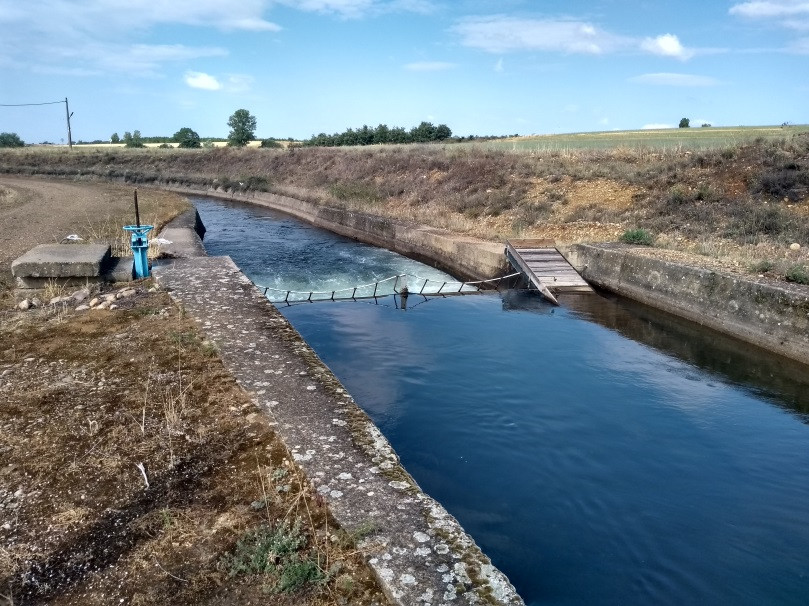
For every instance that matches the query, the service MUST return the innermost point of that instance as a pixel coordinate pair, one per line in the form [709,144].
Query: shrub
[272,143]
[637,236]
[798,274]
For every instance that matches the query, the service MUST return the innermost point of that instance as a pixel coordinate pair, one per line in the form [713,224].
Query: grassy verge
[134,469]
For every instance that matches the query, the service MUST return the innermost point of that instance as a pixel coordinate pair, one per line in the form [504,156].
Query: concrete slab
[62,261]
[418,551]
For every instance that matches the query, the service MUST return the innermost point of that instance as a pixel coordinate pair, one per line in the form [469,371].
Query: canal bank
[418,551]
[772,316]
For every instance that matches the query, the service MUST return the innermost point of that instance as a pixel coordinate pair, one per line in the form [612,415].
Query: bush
[11,140]
[798,274]
[637,236]
[270,143]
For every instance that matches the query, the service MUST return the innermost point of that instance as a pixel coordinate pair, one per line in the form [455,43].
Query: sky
[482,67]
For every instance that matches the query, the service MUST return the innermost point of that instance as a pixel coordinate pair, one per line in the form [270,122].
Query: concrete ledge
[775,318]
[419,552]
[185,233]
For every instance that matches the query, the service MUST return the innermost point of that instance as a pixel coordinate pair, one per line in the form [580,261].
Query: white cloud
[500,34]
[91,35]
[669,79]
[656,126]
[201,80]
[239,83]
[789,14]
[429,66]
[498,67]
[233,83]
[667,45]
[784,8]
[354,9]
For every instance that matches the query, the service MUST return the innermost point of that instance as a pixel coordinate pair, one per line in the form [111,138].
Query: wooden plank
[545,266]
[515,260]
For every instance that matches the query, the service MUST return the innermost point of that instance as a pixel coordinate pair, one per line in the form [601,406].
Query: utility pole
[69,136]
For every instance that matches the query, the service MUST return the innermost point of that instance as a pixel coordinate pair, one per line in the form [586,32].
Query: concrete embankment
[419,552]
[774,317]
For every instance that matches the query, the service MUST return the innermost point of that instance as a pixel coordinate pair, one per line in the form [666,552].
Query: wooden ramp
[545,267]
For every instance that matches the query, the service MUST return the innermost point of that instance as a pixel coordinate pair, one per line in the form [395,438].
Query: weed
[798,274]
[762,267]
[274,552]
[637,236]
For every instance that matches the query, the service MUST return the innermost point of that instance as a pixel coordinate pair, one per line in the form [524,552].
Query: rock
[82,308]
[113,306]
[81,295]
[794,246]
[58,300]
[103,305]
[110,297]
[36,302]
[127,292]
[24,305]
[94,301]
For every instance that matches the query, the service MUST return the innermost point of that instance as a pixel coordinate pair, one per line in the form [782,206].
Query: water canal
[599,453]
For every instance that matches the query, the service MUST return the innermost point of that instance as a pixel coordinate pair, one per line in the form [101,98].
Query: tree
[115,138]
[242,128]
[187,138]
[133,139]
[685,123]
[11,140]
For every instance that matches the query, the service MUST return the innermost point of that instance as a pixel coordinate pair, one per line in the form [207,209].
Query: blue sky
[480,66]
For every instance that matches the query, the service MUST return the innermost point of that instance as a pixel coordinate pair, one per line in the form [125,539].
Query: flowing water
[599,452]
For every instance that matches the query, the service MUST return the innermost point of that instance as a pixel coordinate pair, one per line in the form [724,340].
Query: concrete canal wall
[463,256]
[774,317]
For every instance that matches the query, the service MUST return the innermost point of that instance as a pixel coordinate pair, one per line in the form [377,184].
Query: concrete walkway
[419,552]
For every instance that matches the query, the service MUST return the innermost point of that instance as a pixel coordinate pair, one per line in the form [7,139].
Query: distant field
[664,139]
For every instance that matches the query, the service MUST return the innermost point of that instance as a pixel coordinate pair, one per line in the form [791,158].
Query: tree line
[426,132]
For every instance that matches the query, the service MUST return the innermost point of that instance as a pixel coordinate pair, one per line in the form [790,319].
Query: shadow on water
[739,362]
[781,381]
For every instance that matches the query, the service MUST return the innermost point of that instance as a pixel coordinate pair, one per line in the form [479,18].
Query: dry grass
[88,403]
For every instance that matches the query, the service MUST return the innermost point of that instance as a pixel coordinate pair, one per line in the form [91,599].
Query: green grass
[637,236]
[694,138]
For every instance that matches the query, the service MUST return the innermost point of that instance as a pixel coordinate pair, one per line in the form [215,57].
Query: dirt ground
[133,469]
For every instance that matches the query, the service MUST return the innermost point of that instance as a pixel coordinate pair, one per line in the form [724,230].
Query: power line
[28,104]
[68,114]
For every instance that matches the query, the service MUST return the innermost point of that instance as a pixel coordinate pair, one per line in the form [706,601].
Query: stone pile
[80,300]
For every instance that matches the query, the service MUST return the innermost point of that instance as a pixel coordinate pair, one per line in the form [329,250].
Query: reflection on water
[599,452]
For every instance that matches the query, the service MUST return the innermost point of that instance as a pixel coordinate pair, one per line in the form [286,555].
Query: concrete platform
[69,265]
[62,261]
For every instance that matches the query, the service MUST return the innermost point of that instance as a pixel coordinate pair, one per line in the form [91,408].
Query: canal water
[599,452]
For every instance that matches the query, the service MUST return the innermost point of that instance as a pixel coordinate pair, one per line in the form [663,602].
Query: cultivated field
[657,139]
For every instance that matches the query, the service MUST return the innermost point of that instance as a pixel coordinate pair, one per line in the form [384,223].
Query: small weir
[599,452]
